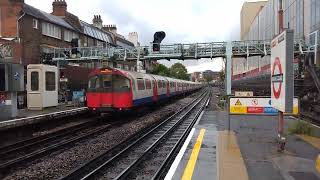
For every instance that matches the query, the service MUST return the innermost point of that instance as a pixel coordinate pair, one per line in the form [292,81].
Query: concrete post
[228,67]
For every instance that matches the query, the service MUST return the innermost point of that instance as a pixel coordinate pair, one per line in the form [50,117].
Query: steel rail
[28,143]
[40,152]
[88,169]
[131,169]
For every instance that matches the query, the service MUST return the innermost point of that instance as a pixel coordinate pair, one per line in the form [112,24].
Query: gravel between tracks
[63,161]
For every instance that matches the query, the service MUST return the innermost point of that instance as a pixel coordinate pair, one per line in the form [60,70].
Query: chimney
[97,21]
[111,28]
[133,37]
[59,8]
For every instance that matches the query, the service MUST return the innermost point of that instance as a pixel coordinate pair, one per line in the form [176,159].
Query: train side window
[159,84]
[34,81]
[148,84]
[120,82]
[140,84]
[50,81]
[153,83]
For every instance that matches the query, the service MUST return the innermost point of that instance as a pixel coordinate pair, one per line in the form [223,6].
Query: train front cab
[109,90]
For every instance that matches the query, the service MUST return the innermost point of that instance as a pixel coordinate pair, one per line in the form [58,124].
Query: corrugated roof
[32,11]
[97,33]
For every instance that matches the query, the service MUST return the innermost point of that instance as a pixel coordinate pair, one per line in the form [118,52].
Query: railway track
[30,149]
[147,153]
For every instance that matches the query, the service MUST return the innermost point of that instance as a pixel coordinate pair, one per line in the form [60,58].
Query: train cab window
[163,84]
[34,81]
[148,84]
[94,83]
[50,81]
[141,84]
[120,83]
[107,81]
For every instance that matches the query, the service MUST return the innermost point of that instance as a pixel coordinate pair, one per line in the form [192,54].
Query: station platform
[248,151]
[26,117]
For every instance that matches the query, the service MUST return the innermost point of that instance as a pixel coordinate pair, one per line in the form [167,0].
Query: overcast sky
[184,21]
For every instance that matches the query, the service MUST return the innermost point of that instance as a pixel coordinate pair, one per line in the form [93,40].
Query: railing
[172,51]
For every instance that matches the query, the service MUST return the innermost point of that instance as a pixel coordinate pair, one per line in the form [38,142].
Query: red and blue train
[111,89]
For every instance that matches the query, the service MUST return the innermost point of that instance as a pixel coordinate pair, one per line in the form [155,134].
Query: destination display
[258,105]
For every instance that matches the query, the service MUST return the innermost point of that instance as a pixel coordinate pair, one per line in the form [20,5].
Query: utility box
[11,77]
[11,81]
[42,86]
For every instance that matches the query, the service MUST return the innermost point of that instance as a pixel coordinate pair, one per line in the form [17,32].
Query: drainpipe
[18,36]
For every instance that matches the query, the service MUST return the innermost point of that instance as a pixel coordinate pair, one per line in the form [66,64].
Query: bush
[301,127]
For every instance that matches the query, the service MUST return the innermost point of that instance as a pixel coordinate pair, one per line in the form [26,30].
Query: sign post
[282,83]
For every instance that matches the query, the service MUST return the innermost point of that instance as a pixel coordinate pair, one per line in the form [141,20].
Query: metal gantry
[171,51]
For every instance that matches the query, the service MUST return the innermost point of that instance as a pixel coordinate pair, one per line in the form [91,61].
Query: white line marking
[292,117]
[176,162]
[43,115]
[199,118]
[217,156]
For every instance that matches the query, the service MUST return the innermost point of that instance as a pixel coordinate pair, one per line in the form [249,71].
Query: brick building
[34,34]
[40,32]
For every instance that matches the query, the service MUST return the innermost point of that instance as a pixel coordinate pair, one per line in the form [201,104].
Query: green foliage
[161,70]
[208,78]
[301,127]
[179,71]
[222,75]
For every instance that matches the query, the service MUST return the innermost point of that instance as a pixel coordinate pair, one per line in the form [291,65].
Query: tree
[161,70]
[208,78]
[222,75]
[179,71]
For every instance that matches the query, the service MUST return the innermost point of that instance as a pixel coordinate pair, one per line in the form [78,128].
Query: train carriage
[111,89]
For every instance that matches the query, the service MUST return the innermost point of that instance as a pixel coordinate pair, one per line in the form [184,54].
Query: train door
[121,91]
[155,90]
[34,89]
[168,88]
[93,94]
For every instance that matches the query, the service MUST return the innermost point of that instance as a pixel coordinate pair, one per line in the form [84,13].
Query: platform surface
[248,151]
[26,116]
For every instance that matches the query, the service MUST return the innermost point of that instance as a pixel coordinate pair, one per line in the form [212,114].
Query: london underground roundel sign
[282,71]
[277,79]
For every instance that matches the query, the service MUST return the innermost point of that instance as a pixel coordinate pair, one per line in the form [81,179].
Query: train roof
[139,75]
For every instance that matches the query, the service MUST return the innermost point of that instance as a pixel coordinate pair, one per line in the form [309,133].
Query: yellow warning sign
[238,110]
[238,103]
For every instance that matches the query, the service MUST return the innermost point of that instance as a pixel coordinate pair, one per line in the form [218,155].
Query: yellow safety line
[230,162]
[188,171]
[314,141]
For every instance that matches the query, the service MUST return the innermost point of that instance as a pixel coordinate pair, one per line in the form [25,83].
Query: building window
[126,67]
[69,35]
[51,30]
[119,66]
[99,43]
[34,81]
[35,23]
[50,81]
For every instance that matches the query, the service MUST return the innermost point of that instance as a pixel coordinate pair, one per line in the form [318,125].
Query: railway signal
[157,38]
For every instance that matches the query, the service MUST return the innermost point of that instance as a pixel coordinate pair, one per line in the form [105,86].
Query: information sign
[257,105]
[282,71]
